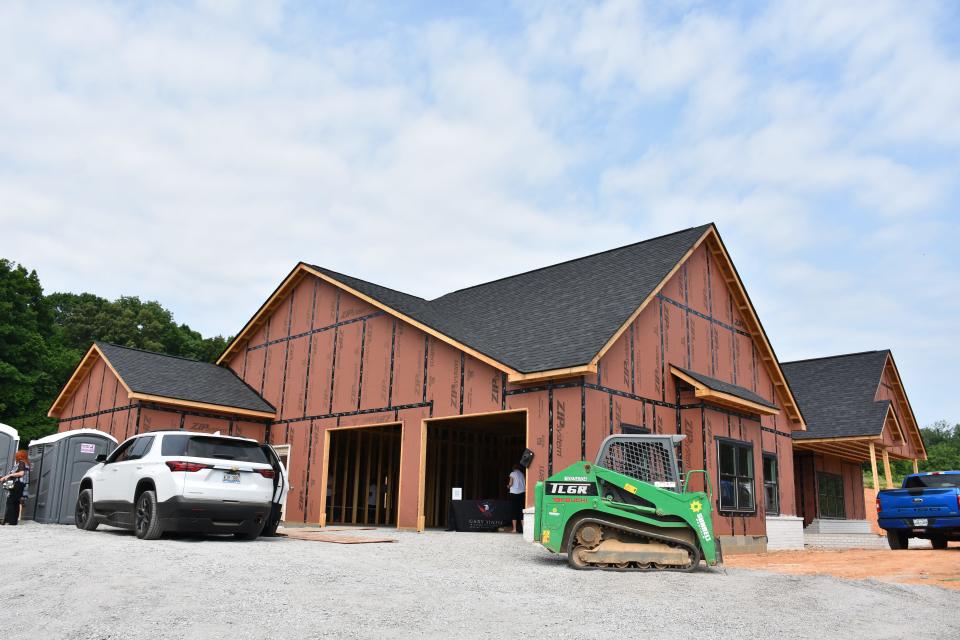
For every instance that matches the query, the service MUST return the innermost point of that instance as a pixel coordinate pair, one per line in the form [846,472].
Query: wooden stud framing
[873,466]
[343,464]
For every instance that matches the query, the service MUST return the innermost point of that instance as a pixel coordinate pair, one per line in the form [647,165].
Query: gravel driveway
[59,582]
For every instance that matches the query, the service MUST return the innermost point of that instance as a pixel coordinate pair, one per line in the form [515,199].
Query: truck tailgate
[917,503]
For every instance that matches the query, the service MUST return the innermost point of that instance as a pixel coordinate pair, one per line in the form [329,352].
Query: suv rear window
[212,447]
[944,481]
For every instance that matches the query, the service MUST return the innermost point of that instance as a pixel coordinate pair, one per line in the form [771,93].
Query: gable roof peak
[701,228]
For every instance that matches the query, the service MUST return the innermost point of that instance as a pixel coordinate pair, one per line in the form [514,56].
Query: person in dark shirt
[20,477]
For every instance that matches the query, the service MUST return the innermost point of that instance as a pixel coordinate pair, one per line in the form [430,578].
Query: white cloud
[194,153]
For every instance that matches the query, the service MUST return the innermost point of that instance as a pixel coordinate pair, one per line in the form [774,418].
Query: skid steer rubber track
[607,525]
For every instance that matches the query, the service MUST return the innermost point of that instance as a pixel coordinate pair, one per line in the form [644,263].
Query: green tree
[42,338]
[129,322]
[942,442]
[31,364]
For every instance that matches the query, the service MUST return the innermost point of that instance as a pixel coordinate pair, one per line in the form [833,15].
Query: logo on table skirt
[484,508]
[696,506]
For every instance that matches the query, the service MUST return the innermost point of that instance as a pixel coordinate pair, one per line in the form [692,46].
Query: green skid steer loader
[628,511]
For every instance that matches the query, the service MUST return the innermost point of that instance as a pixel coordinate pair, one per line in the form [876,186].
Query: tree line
[43,337]
[942,441]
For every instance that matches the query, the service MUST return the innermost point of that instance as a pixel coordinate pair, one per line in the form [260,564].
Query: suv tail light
[878,505]
[181,465]
[266,473]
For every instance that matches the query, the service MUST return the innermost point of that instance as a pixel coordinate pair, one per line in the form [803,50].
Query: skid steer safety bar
[706,481]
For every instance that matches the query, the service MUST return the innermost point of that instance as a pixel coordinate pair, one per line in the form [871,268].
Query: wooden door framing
[325,467]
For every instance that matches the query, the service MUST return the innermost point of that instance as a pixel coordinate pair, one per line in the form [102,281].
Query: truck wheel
[83,517]
[897,540]
[939,542]
[146,520]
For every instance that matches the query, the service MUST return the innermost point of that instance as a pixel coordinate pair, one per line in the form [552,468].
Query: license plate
[231,477]
[920,522]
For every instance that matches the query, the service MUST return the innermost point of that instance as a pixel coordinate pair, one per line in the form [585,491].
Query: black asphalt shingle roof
[182,379]
[550,318]
[728,388]
[836,394]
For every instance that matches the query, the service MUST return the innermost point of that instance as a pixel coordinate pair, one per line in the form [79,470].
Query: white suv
[183,481]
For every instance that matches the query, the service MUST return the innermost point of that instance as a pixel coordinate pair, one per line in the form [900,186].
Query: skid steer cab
[628,510]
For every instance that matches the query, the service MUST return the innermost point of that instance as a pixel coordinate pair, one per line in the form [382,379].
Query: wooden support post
[356,475]
[916,469]
[379,480]
[873,466]
[886,469]
[346,436]
[366,477]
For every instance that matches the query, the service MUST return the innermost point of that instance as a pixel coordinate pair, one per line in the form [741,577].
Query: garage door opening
[473,453]
[363,474]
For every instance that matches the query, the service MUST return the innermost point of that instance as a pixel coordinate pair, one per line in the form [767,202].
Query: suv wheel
[939,542]
[146,520]
[83,516]
[897,540]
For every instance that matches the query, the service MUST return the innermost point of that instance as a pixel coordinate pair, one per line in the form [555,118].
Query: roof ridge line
[154,353]
[839,355]
[563,262]
[347,275]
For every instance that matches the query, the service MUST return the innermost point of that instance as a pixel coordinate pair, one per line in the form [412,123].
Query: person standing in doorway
[517,485]
[19,476]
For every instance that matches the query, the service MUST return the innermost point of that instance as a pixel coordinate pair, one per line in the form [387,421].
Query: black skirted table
[479,515]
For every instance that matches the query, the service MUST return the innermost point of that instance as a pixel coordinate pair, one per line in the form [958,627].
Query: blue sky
[194,152]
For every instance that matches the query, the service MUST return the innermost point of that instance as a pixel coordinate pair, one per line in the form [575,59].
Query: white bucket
[528,524]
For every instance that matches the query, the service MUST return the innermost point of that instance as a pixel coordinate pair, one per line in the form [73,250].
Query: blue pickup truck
[927,506]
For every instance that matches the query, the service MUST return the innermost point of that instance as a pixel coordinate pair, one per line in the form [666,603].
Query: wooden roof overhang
[716,396]
[857,448]
[910,430]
